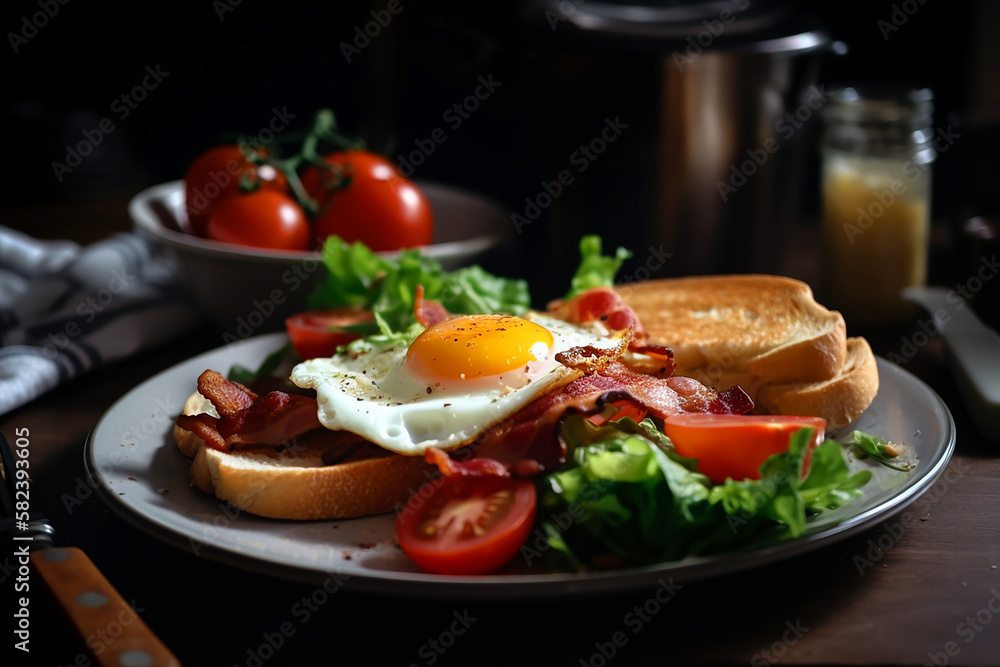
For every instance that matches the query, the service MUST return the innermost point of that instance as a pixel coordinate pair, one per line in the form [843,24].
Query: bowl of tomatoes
[246,229]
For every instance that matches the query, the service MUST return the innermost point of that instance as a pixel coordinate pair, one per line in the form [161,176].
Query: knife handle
[110,627]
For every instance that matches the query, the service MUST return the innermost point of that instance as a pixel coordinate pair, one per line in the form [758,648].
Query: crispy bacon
[605,305]
[228,397]
[464,464]
[246,419]
[428,313]
[650,359]
[593,359]
[531,433]
[203,426]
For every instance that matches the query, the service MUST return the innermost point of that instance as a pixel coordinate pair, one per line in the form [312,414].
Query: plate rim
[507,586]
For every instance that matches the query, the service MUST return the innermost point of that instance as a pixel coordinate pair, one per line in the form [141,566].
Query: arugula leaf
[595,269]
[887,453]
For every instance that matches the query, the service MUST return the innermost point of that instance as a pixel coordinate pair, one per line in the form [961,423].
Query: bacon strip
[459,464]
[228,397]
[246,419]
[428,313]
[655,360]
[593,359]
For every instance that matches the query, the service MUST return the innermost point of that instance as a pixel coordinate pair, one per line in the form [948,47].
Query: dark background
[230,66]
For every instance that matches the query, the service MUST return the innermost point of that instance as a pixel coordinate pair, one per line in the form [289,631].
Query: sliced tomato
[467,526]
[735,446]
[318,333]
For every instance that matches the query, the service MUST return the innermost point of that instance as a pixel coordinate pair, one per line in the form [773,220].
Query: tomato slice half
[735,446]
[318,333]
[466,526]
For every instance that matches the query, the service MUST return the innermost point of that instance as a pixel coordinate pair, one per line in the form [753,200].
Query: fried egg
[455,380]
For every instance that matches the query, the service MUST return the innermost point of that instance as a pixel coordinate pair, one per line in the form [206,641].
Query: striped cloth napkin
[67,309]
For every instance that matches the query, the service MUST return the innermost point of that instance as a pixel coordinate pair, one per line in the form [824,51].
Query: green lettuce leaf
[595,269]
[357,276]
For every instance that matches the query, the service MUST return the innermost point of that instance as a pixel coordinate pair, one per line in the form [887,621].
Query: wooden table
[931,594]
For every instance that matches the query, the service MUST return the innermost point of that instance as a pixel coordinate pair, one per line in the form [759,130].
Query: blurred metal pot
[678,129]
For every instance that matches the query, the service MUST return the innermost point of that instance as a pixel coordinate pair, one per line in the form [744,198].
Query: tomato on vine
[362,197]
[215,175]
[262,219]
[338,187]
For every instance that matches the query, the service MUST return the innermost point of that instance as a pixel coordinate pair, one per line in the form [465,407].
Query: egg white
[373,395]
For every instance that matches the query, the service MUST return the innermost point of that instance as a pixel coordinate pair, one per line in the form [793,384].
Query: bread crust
[840,400]
[294,483]
[764,333]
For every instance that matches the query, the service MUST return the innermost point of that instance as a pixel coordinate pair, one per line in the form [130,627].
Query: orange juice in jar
[876,201]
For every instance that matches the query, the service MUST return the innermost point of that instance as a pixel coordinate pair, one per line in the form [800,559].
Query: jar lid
[880,118]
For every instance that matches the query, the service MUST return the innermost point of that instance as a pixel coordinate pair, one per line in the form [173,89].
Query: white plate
[133,461]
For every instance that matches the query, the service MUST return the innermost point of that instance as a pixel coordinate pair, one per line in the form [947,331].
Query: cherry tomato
[261,219]
[318,333]
[736,445]
[214,176]
[467,526]
[378,207]
[359,164]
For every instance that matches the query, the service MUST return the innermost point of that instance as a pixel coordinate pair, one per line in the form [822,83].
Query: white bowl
[246,291]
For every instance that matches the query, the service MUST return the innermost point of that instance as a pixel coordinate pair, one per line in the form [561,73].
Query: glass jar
[876,179]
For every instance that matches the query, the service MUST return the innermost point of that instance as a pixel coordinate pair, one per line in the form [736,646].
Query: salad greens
[595,269]
[628,495]
[357,276]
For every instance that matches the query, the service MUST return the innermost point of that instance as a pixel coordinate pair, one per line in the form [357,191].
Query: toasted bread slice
[758,326]
[296,482]
[766,334]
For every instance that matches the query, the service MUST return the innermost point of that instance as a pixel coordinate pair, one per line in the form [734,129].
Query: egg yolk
[467,348]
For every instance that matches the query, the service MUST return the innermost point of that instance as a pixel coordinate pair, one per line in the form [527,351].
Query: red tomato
[603,303]
[214,176]
[736,445]
[466,526]
[379,207]
[318,333]
[625,407]
[357,163]
[261,219]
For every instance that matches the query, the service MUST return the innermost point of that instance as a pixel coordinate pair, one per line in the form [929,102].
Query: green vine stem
[322,138]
